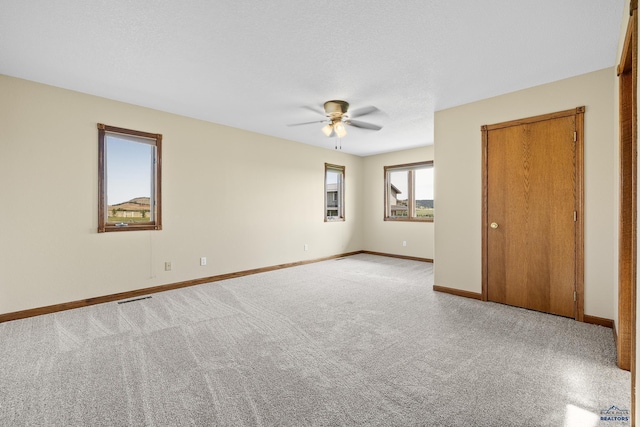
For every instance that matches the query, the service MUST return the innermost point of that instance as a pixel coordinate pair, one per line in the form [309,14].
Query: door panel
[531,196]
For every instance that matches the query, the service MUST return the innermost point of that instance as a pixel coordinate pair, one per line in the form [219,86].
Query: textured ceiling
[255,65]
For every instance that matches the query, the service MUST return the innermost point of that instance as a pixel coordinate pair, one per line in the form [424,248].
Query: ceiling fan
[338,116]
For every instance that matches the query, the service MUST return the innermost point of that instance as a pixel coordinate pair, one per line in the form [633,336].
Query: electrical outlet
[306,247]
[167,266]
[203,260]
[404,243]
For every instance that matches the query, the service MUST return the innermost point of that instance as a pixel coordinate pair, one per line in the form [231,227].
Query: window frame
[340,199]
[411,208]
[103,218]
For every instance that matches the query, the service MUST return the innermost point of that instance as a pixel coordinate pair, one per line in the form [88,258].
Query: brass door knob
[494,225]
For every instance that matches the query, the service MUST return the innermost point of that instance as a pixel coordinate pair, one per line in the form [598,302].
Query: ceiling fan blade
[363,125]
[314,109]
[363,111]
[306,123]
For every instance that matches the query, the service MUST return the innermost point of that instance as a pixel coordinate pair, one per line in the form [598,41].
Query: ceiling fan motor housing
[336,108]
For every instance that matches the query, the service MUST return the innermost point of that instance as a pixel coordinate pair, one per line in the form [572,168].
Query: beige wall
[387,236]
[458,180]
[221,187]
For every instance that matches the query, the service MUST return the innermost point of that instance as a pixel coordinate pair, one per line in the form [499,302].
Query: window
[409,192]
[333,192]
[129,164]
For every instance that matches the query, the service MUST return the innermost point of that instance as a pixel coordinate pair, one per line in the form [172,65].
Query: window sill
[408,219]
[130,227]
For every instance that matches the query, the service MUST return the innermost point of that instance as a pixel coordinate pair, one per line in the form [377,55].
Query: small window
[409,192]
[333,192]
[129,164]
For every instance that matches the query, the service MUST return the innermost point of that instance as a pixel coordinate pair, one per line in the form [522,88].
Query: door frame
[627,226]
[579,199]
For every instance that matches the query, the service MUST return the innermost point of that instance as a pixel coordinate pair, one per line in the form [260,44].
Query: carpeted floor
[358,341]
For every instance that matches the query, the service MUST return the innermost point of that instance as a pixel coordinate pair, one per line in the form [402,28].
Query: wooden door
[531,213]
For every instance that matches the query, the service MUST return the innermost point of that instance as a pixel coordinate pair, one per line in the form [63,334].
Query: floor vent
[132,300]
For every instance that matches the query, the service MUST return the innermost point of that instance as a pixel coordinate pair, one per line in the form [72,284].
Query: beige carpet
[359,341]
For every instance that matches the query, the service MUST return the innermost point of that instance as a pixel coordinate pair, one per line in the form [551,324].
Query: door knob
[494,225]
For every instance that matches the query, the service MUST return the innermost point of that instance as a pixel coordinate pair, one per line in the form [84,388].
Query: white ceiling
[255,65]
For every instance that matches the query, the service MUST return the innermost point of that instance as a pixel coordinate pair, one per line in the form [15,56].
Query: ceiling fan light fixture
[328,129]
[340,129]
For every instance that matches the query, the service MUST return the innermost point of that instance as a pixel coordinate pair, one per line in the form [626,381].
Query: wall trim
[6,317]
[412,258]
[458,292]
[155,289]
[595,320]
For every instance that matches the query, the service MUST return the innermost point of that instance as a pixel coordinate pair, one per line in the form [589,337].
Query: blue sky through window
[424,183]
[332,177]
[129,169]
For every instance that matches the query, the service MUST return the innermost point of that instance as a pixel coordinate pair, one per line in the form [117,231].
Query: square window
[409,192]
